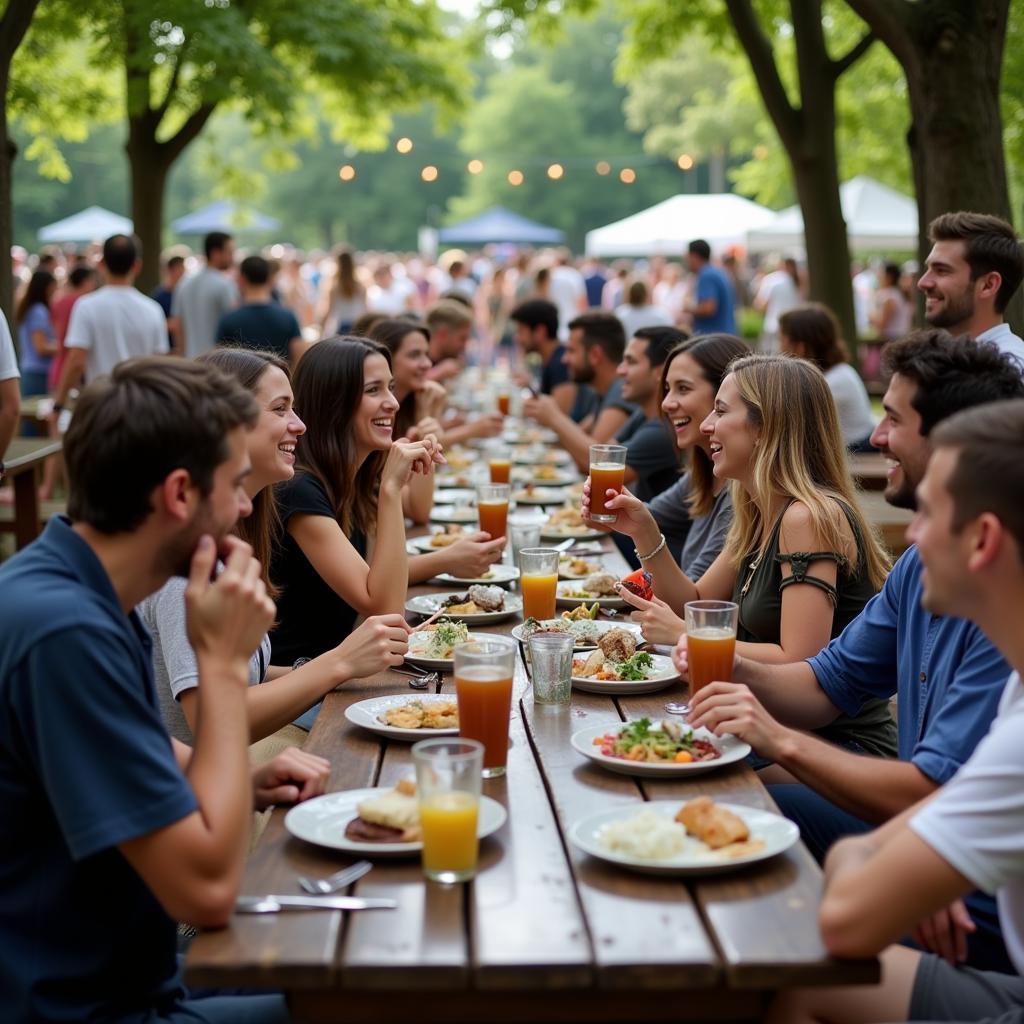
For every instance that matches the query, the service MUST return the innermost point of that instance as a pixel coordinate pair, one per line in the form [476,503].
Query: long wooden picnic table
[544,932]
[21,460]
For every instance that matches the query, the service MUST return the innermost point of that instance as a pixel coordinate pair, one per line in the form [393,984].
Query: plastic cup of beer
[607,472]
[448,787]
[710,641]
[551,667]
[483,688]
[538,581]
[492,508]
[499,462]
[504,402]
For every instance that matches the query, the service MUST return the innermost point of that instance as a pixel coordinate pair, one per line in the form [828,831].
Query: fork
[325,886]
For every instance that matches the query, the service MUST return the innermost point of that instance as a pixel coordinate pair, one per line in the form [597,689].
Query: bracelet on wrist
[646,558]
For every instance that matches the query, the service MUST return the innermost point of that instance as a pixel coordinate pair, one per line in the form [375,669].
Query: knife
[273,904]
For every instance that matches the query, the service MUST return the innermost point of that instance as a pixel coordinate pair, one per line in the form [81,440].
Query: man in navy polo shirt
[945,673]
[109,830]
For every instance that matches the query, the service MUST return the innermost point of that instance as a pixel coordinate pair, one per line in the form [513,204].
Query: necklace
[750,575]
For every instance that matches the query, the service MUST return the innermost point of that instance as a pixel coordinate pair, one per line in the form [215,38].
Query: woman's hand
[430,400]
[408,457]
[291,777]
[424,428]
[471,557]
[632,516]
[379,643]
[658,623]
[489,425]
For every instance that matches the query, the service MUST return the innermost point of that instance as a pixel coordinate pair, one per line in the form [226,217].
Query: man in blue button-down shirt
[946,675]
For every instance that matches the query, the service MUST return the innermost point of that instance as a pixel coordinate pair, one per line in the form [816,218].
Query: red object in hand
[639,583]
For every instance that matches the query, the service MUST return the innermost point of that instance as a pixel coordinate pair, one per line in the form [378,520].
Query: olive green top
[758,592]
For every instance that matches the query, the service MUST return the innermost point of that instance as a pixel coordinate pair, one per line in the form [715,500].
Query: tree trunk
[716,171]
[8,151]
[149,169]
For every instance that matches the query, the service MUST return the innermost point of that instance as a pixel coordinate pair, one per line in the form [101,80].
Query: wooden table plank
[869,470]
[890,521]
[21,460]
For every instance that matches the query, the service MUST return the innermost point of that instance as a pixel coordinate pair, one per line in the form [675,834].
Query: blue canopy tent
[223,215]
[500,225]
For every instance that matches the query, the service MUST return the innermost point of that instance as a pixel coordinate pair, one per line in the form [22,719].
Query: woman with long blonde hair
[800,559]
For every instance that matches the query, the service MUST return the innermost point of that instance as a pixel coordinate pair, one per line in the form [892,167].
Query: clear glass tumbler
[551,667]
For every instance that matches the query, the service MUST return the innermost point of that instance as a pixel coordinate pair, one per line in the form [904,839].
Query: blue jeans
[822,823]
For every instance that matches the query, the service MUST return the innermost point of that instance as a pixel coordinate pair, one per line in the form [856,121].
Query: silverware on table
[325,886]
[272,904]
[674,707]
[420,680]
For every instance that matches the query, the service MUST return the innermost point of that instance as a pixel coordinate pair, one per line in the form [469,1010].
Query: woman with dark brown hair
[342,551]
[379,642]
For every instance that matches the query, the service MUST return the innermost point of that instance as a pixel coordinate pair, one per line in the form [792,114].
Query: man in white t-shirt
[969,532]
[779,293]
[975,266]
[10,397]
[568,291]
[113,323]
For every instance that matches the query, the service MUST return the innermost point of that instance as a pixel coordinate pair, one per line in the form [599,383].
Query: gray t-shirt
[174,661]
[8,357]
[699,540]
[199,302]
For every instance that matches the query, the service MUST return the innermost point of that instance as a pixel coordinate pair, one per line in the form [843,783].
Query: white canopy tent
[721,219]
[877,218]
[90,225]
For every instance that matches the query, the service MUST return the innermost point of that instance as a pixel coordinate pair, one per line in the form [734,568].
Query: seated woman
[812,332]
[800,559]
[698,507]
[378,643]
[342,552]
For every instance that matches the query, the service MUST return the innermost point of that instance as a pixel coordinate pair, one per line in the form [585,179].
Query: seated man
[945,673]
[110,831]
[536,333]
[969,532]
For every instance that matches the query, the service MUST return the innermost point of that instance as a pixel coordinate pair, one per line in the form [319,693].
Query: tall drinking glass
[710,641]
[607,472]
[448,772]
[538,580]
[492,508]
[504,401]
[483,688]
[499,462]
[551,667]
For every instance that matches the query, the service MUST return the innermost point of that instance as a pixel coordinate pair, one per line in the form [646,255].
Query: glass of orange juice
[483,688]
[492,508]
[607,472]
[710,641]
[500,463]
[538,581]
[448,773]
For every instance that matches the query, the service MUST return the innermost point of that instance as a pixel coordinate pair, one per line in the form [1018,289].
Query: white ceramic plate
[427,604]
[541,496]
[463,479]
[367,713]
[528,475]
[563,575]
[453,514]
[568,586]
[662,674]
[775,832]
[565,532]
[439,664]
[455,496]
[322,820]
[732,750]
[498,573]
[603,625]
[422,544]
[541,456]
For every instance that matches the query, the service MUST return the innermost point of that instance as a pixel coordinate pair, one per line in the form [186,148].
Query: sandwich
[392,817]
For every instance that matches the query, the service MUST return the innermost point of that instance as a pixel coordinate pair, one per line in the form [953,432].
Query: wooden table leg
[26,508]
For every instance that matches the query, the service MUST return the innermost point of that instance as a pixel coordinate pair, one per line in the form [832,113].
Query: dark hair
[537,313]
[132,429]
[365,323]
[660,341]
[391,334]
[700,248]
[214,242]
[602,329]
[952,373]
[261,529]
[80,274]
[636,293]
[991,245]
[893,273]
[345,279]
[35,293]
[120,253]
[712,353]
[255,270]
[989,472]
[816,328]
[174,261]
[328,391]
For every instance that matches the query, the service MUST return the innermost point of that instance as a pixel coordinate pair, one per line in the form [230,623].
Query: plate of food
[700,837]
[616,666]
[455,496]
[440,538]
[498,573]
[571,567]
[532,494]
[431,647]
[483,602]
[543,476]
[405,717]
[567,522]
[453,514]
[538,455]
[597,588]
[586,633]
[380,821]
[461,479]
[658,749]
